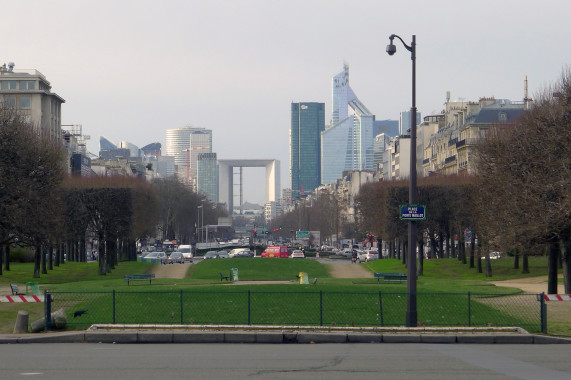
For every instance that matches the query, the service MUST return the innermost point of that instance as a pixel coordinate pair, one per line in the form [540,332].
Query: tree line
[63,218]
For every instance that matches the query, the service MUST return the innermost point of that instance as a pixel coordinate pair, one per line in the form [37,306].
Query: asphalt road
[285,361]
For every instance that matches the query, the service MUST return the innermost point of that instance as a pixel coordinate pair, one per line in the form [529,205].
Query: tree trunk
[463,248]
[516,258]
[101,255]
[441,246]
[479,254]
[566,253]
[420,271]
[404,252]
[82,250]
[1,256]
[552,267]
[7,258]
[488,262]
[448,240]
[472,249]
[37,260]
[45,253]
[51,257]
[525,263]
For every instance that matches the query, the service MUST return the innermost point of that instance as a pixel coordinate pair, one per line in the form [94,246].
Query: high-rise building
[185,144]
[404,122]
[348,143]
[29,92]
[307,123]
[207,176]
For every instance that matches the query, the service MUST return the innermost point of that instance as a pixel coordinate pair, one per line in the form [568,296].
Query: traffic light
[255,232]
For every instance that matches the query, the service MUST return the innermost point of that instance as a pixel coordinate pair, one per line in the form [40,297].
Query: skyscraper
[185,144]
[307,123]
[348,143]
[207,176]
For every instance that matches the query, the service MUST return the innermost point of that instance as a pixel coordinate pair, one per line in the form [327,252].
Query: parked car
[276,251]
[215,255]
[176,257]
[240,252]
[367,255]
[297,254]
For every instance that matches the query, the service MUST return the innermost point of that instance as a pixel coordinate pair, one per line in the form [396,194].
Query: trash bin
[303,278]
[34,288]
[234,274]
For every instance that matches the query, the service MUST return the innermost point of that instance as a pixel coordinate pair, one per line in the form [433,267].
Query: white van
[186,251]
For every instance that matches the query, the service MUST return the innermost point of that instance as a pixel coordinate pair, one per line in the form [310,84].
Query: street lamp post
[199,237]
[411,313]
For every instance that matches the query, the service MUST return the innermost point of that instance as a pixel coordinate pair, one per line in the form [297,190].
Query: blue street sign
[412,212]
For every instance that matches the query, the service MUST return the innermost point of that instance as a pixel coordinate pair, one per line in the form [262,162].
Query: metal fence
[295,308]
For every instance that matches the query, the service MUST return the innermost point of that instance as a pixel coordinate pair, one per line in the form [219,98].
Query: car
[240,252]
[367,255]
[279,251]
[156,257]
[176,257]
[297,254]
[186,251]
[215,255]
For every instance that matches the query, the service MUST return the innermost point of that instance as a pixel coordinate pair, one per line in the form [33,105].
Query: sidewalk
[282,334]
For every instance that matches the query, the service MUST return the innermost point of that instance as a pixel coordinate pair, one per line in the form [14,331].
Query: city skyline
[130,73]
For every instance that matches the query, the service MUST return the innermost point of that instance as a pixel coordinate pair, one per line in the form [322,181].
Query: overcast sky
[130,70]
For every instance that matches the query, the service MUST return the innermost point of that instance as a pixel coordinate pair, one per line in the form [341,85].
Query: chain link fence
[295,308]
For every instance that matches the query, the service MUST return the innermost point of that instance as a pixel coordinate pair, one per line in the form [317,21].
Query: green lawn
[443,295]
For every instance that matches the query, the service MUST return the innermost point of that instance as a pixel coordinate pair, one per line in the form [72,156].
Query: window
[27,85]
[25,102]
[9,84]
[10,101]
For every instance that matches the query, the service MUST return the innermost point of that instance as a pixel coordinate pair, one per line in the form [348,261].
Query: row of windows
[22,102]
[18,85]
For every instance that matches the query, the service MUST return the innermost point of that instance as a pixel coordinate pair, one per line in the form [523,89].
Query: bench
[14,289]
[223,277]
[139,277]
[390,277]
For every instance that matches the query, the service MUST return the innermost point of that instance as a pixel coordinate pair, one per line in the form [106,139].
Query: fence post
[542,313]
[114,307]
[321,308]
[249,310]
[181,308]
[48,310]
[469,309]
[381,308]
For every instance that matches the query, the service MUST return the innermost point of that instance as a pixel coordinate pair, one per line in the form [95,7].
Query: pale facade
[29,92]
[462,126]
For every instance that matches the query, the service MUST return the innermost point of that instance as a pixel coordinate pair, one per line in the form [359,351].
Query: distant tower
[307,123]
[185,144]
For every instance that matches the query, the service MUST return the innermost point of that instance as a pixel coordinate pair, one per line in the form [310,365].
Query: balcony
[449,159]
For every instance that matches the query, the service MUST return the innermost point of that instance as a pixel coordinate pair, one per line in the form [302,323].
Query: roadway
[285,361]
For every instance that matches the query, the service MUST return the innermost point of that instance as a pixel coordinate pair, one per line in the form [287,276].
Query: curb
[217,334]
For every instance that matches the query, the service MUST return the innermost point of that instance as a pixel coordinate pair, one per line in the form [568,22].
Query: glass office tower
[307,123]
[348,143]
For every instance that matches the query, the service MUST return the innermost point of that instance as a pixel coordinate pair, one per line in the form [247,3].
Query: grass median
[200,298]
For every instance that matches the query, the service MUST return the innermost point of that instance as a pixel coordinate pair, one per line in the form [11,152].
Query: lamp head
[391,48]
